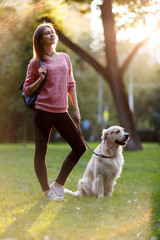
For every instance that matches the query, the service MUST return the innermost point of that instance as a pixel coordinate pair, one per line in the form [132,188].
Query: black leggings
[43,122]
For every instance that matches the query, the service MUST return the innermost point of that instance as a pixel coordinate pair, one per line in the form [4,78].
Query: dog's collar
[106,156]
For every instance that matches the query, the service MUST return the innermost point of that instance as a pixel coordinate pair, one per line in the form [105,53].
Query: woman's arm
[33,87]
[73,97]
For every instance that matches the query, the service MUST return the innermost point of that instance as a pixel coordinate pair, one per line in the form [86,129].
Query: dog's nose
[127,135]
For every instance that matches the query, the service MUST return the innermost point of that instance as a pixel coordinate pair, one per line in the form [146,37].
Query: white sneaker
[59,192]
[52,196]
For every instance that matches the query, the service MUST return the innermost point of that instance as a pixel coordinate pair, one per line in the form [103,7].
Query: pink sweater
[54,94]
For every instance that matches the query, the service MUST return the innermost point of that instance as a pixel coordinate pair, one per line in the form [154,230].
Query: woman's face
[49,36]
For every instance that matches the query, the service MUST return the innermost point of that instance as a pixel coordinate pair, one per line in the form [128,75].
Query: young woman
[51,107]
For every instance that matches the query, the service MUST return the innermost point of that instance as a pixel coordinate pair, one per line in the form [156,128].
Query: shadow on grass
[19,227]
[83,218]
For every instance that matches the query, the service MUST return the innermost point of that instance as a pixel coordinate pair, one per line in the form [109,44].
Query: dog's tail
[77,193]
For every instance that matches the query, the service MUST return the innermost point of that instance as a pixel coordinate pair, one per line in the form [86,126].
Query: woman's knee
[80,148]
[83,148]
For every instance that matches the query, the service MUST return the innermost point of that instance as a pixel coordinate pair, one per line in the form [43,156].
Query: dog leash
[99,155]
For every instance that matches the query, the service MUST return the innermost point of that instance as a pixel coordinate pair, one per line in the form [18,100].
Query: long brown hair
[38,50]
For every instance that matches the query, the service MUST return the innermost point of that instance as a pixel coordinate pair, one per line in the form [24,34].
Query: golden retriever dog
[101,173]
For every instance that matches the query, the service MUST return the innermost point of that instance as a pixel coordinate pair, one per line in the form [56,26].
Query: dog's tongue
[123,142]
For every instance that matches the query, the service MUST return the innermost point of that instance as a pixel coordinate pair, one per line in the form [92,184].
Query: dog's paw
[100,195]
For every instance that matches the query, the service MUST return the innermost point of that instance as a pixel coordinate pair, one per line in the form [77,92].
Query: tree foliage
[16,51]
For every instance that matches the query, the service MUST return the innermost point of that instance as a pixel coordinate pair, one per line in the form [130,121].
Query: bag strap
[41,63]
[42,83]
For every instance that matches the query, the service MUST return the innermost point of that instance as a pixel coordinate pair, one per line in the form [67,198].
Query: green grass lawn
[132,213]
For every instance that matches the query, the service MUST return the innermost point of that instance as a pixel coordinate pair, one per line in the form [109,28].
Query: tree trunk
[125,116]
[115,76]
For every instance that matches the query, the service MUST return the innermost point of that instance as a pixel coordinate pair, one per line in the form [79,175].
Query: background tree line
[16,51]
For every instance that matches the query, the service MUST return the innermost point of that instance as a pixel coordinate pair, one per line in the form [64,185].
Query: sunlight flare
[140,32]
[46,218]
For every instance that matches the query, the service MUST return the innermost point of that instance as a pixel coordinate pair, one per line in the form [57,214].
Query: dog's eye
[118,131]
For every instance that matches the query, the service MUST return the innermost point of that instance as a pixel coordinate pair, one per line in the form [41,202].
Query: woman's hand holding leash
[77,116]
[73,97]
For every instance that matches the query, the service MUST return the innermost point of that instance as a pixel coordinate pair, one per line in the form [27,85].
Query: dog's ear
[104,134]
